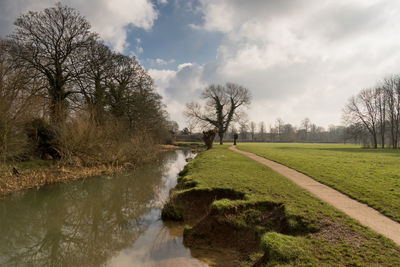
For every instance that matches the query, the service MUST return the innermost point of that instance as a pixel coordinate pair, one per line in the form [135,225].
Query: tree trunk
[208,137]
[392,135]
[375,141]
[58,112]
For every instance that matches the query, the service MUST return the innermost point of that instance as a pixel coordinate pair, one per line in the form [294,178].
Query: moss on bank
[235,205]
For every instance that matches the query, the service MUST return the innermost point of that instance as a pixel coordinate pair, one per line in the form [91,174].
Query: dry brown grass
[83,142]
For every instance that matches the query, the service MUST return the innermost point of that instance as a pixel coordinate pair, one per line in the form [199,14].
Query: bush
[42,138]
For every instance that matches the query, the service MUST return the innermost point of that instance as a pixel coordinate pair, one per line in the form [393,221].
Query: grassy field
[292,227]
[371,176]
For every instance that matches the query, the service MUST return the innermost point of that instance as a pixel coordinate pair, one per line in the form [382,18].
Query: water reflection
[101,221]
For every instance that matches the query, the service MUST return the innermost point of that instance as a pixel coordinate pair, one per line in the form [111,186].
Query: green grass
[371,176]
[283,248]
[34,164]
[25,165]
[332,237]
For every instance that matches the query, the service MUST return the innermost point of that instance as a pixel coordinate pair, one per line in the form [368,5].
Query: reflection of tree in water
[82,223]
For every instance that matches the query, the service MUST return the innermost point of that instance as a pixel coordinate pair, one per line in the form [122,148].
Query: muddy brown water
[102,221]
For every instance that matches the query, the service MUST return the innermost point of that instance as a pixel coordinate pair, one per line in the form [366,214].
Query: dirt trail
[361,212]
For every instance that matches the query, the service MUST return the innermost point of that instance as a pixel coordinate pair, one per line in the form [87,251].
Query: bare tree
[363,109]
[244,127]
[288,133]
[262,131]
[392,92]
[98,66]
[381,109]
[306,124]
[20,100]
[222,104]
[357,133]
[252,130]
[279,127]
[272,133]
[51,42]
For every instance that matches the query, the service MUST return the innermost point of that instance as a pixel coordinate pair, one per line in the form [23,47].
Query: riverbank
[37,173]
[111,220]
[235,206]
[40,176]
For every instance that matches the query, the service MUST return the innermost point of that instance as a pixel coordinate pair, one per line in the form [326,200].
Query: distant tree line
[280,131]
[286,132]
[373,115]
[66,94]
[372,118]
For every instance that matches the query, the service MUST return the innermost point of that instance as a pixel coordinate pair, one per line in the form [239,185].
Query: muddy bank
[225,228]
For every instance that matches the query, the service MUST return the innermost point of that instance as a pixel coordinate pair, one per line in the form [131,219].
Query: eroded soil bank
[238,212]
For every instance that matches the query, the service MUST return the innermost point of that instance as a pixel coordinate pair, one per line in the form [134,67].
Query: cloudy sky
[300,59]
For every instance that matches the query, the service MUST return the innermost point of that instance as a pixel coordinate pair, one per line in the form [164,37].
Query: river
[102,221]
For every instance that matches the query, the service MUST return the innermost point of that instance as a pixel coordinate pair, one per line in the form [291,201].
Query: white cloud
[179,86]
[184,65]
[162,79]
[301,58]
[139,48]
[109,18]
[159,61]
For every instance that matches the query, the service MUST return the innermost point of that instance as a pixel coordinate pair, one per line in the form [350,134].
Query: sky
[299,59]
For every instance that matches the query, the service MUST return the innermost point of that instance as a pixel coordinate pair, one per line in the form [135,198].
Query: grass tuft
[283,248]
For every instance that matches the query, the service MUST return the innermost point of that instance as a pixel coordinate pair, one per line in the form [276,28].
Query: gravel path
[361,212]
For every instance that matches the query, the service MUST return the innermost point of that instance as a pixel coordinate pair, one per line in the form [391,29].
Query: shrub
[42,139]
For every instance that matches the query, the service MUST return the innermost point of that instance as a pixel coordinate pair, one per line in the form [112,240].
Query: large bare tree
[51,42]
[222,105]
[391,87]
[92,81]
[364,109]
